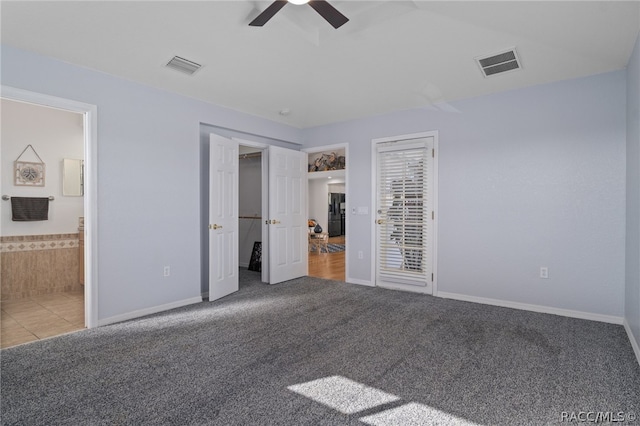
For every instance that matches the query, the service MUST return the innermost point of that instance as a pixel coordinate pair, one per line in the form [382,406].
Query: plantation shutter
[404,205]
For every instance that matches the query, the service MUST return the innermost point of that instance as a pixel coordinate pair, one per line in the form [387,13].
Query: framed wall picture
[28,174]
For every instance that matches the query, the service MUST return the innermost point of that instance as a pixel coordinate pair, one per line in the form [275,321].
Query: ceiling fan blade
[268,13]
[328,12]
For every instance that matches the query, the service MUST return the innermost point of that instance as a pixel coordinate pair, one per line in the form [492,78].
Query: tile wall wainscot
[32,265]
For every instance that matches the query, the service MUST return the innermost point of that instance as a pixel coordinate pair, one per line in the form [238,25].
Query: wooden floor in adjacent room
[330,266]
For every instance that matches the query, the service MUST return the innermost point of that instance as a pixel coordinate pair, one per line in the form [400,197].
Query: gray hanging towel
[29,208]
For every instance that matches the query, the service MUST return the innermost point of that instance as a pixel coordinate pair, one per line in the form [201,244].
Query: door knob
[380,221]
[215,226]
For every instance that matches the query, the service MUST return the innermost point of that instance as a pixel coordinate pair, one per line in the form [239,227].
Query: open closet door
[223,217]
[287,221]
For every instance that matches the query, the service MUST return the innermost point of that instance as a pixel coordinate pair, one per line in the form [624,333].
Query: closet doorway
[250,207]
[257,210]
[328,201]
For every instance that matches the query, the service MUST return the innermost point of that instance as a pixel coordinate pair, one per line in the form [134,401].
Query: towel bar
[7,198]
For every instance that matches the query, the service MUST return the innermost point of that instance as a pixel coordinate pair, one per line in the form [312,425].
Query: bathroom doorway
[47,275]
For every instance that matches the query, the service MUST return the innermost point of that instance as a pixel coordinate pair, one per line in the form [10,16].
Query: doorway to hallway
[330,265]
[328,200]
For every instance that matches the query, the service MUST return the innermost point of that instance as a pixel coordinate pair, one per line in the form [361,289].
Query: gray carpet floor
[317,352]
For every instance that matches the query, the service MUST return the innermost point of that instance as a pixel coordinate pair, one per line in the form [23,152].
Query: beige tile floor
[34,318]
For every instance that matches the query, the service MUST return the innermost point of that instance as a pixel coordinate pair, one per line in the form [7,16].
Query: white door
[223,217]
[404,214]
[287,221]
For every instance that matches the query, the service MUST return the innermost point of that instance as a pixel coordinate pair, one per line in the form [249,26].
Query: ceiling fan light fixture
[328,12]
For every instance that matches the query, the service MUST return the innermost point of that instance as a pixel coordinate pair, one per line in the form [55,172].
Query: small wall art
[326,162]
[28,173]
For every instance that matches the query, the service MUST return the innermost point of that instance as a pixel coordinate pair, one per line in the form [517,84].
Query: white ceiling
[391,55]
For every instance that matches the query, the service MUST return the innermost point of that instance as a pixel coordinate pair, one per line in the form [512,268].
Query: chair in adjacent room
[318,241]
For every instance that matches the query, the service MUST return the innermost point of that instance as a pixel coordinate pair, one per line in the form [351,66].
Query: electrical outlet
[167,271]
[360,255]
[544,272]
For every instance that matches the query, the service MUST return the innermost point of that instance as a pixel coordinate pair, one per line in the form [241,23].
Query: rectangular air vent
[499,63]
[183,65]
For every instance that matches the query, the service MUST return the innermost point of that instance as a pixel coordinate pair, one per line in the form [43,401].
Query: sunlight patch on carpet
[413,414]
[350,397]
[342,394]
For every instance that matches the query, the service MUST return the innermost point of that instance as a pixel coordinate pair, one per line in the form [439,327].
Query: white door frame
[90,128]
[334,147]
[374,159]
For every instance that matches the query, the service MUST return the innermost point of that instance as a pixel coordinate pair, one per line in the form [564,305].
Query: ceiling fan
[328,12]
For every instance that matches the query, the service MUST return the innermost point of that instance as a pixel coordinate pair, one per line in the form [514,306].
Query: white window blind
[404,212]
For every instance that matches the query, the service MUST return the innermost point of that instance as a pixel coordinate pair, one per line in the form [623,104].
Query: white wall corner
[149,311]
[533,308]
[634,343]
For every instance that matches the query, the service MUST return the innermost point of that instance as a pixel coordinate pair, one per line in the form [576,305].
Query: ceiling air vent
[183,65]
[499,63]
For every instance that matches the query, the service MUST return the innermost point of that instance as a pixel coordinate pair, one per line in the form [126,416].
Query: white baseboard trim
[148,311]
[632,339]
[404,287]
[360,282]
[534,308]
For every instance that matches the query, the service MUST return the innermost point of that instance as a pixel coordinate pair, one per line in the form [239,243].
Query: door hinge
[433,215]
[433,153]
[432,276]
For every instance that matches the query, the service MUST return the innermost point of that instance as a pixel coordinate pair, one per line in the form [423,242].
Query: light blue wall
[527,178]
[148,177]
[632,296]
